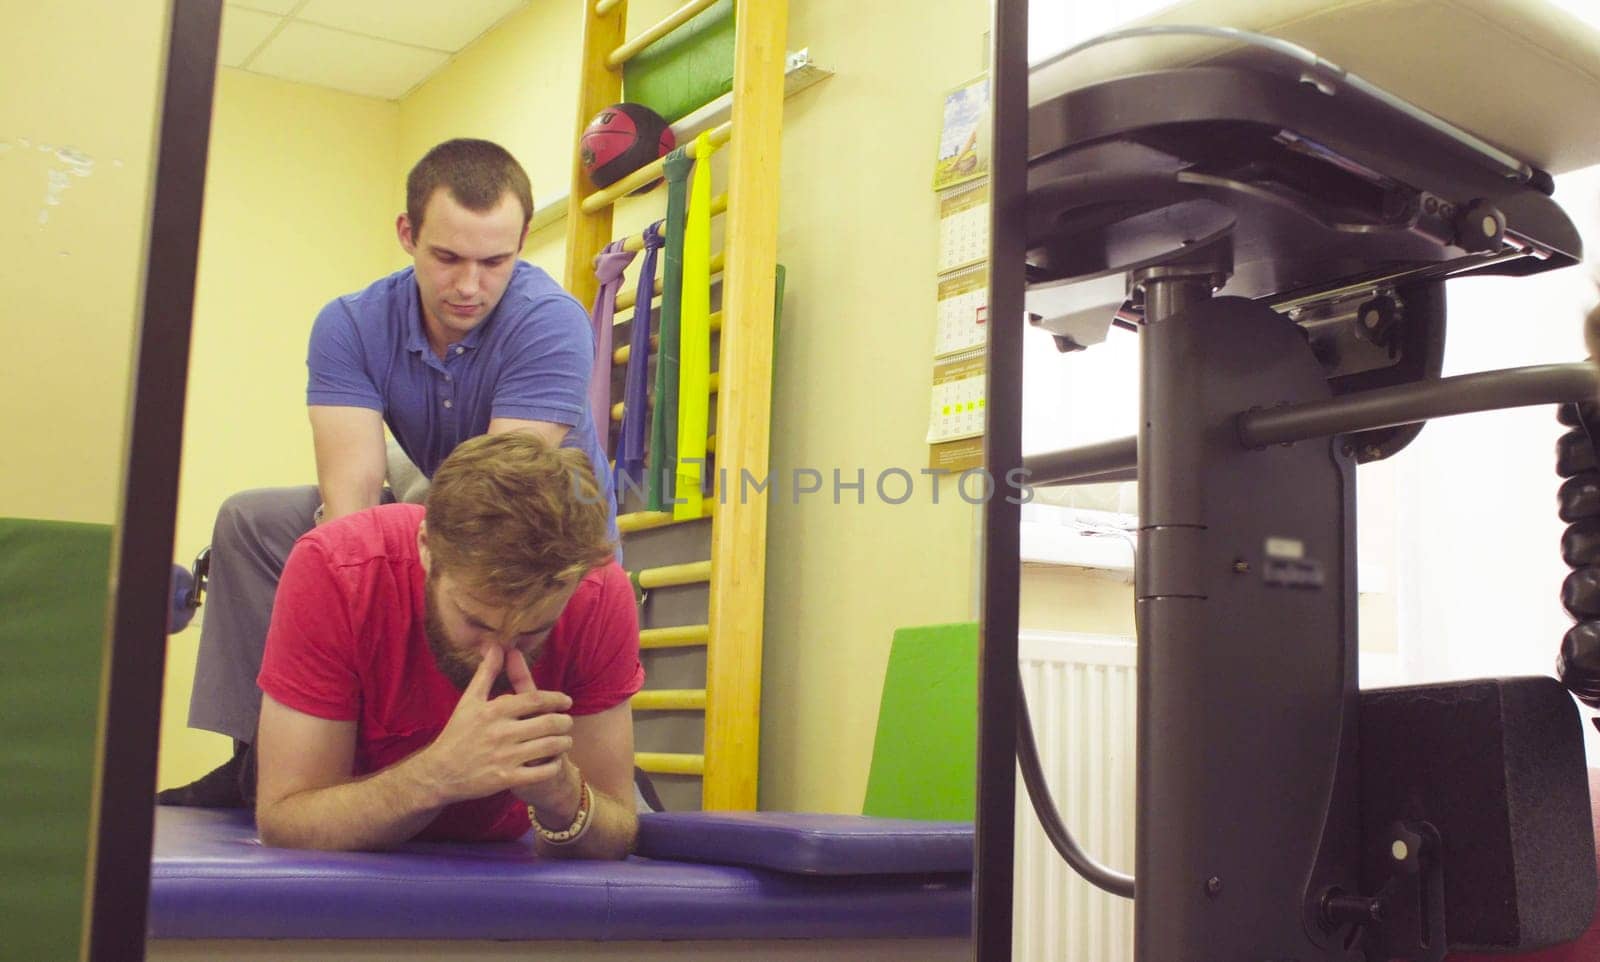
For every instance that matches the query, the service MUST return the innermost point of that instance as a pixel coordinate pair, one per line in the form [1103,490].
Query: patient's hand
[492,744]
[560,790]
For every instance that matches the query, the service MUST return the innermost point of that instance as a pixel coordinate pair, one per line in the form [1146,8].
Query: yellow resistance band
[694,348]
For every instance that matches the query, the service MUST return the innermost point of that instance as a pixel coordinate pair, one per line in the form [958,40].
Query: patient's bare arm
[307,797]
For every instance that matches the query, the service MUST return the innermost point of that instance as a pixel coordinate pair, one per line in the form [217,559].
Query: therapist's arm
[350,458]
[550,431]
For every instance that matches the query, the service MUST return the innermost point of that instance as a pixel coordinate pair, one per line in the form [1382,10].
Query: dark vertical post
[1246,643]
[997,658]
[122,813]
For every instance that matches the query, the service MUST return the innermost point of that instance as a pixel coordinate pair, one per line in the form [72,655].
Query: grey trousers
[249,544]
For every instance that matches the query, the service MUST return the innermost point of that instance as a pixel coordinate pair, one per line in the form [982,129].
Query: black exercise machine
[1278,231]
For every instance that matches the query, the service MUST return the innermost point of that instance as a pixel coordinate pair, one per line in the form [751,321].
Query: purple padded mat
[212,878]
[808,844]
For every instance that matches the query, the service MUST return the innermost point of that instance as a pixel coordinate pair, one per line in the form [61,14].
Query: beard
[455,665]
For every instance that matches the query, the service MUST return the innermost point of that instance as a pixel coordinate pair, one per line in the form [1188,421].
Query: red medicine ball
[623,138]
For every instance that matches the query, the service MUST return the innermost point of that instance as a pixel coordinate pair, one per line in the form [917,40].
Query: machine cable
[1044,805]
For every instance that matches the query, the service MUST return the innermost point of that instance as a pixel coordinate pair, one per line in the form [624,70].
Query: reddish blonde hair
[514,517]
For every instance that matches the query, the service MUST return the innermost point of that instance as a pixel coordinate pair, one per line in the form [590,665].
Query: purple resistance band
[608,267]
[635,405]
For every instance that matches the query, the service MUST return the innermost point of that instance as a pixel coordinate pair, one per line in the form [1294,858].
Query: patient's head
[512,526]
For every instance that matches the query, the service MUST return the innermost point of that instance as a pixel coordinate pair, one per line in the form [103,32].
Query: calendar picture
[964,140]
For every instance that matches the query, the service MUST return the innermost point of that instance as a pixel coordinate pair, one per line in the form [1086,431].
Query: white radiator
[1080,692]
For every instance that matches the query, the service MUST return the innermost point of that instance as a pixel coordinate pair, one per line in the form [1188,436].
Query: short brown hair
[514,517]
[477,173]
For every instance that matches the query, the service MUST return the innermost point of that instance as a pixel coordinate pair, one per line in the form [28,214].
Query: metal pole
[1409,403]
[121,815]
[1093,463]
[1002,519]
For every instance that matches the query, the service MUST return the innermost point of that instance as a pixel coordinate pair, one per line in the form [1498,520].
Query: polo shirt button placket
[447,392]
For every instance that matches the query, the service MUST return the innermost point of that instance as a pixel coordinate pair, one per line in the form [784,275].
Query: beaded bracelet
[580,821]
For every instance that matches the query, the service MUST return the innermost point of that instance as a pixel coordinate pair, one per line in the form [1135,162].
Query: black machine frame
[1253,248]
[122,815]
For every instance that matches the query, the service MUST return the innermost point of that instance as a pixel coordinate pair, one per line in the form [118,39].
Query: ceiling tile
[242,32]
[280,7]
[423,23]
[307,53]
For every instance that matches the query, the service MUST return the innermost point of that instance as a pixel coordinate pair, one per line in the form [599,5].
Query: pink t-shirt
[347,644]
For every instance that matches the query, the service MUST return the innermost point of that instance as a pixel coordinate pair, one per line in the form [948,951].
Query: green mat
[53,589]
[924,758]
[686,69]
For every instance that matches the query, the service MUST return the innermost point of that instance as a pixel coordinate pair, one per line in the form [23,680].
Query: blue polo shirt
[529,359]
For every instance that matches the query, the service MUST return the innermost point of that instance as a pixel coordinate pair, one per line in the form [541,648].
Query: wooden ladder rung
[670,763]
[671,576]
[635,242]
[626,299]
[671,22]
[670,699]
[675,636]
[712,383]
[647,520]
[619,357]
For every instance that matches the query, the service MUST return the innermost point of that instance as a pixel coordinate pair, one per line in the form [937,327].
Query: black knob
[1574,454]
[1578,665]
[1573,415]
[1580,593]
[1480,226]
[1580,544]
[1376,320]
[1580,497]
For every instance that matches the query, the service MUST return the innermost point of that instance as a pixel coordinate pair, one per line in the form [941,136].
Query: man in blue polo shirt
[468,340]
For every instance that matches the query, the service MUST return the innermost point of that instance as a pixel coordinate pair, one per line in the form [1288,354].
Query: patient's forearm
[610,835]
[377,811]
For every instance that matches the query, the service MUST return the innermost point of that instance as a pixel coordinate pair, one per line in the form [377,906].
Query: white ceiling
[375,48]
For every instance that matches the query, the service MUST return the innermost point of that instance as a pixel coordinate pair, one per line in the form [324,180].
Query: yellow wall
[302,189]
[1075,599]
[858,235]
[72,267]
[517,86]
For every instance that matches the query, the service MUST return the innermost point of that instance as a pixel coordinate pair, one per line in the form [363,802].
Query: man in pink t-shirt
[453,671]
